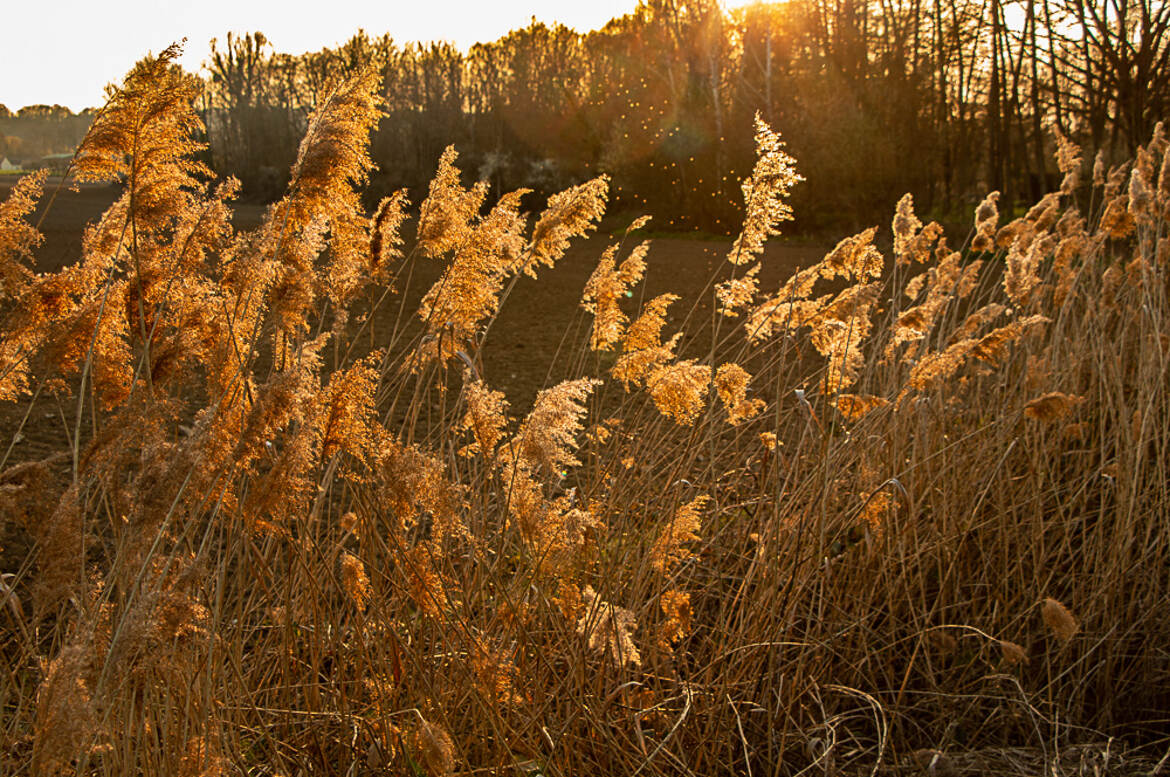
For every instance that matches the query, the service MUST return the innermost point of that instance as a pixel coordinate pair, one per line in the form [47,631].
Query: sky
[65,51]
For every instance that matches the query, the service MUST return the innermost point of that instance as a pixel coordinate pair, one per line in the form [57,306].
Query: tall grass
[908,500]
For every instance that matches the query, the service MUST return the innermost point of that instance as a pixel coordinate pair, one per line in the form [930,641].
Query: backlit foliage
[286,522]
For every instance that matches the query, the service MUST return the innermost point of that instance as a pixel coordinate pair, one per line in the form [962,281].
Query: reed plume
[250,519]
[765,195]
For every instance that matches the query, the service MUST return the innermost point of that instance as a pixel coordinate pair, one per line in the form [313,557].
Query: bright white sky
[66,51]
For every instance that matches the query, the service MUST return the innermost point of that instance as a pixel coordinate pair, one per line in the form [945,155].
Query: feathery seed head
[1058,618]
[731,383]
[765,195]
[571,213]
[608,629]
[643,349]
[679,390]
[354,580]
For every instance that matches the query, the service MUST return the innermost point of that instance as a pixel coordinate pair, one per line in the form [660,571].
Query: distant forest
[947,99]
[38,131]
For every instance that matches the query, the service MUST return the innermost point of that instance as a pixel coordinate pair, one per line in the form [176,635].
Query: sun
[733,4]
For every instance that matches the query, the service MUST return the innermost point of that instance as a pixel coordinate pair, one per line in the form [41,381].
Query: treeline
[947,99]
[38,131]
[944,98]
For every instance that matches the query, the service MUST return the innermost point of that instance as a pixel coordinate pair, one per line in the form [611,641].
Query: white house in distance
[6,165]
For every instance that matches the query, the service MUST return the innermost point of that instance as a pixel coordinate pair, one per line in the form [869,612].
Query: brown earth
[537,319]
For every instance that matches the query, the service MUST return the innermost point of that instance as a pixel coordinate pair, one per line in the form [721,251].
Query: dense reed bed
[911,500]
